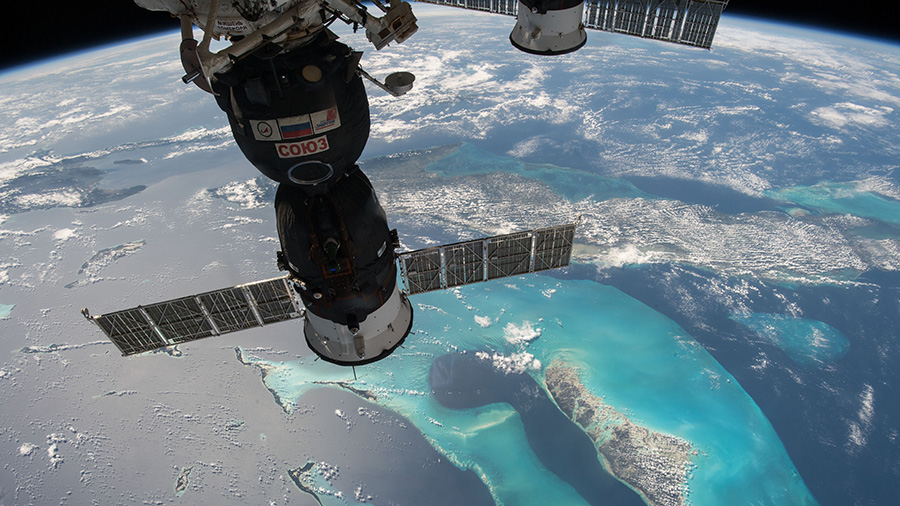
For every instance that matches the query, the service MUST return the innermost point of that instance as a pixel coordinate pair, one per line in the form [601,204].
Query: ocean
[643,366]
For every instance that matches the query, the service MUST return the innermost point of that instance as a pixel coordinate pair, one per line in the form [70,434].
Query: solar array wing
[690,22]
[553,247]
[508,7]
[146,328]
[495,257]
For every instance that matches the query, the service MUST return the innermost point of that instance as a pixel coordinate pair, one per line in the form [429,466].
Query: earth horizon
[728,327]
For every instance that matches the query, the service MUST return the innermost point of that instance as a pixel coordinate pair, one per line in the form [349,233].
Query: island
[183,480]
[301,478]
[655,465]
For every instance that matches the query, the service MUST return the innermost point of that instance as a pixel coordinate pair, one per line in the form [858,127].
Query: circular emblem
[264,129]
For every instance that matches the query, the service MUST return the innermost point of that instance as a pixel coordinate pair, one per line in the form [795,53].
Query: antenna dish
[399,82]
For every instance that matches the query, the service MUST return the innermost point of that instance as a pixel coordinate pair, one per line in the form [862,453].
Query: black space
[36,31]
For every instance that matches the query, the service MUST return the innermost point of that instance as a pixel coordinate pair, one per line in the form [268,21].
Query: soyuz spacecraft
[298,110]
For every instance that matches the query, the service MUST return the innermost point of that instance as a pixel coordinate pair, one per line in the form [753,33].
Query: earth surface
[727,333]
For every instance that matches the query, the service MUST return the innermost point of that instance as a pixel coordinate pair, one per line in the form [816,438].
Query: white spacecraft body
[553,29]
[231,18]
[251,24]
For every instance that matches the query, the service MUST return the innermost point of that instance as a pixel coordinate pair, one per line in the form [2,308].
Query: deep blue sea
[833,404]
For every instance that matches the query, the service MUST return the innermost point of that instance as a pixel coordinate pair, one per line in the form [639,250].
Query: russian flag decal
[295,127]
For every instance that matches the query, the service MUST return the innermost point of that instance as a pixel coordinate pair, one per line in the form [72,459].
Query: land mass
[299,476]
[287,405]
[654,464]
[183,480]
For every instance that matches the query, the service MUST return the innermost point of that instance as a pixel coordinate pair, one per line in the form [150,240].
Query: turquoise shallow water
[570,183]
[810,343]
[841,198]
[6,309]
[637,360]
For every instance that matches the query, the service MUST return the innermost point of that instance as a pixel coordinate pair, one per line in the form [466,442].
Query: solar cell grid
[175,321]
[483,259]
[422,270]
[509,255]
[129,331]
[553,247]
[465,263]
[273,300]
[229,310]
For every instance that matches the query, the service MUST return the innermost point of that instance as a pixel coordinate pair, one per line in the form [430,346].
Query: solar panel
[175,321]
[464,263]
[553,247]
[271,302]
[423,271]
[153,326]
[690,22]
[508,7]
[509,255]
[130,331]
[495,257]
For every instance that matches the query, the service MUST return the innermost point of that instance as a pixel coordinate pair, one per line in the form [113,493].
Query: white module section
[554,32]
[383,330]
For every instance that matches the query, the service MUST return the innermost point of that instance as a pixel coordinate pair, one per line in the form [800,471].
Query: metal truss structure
[689,22]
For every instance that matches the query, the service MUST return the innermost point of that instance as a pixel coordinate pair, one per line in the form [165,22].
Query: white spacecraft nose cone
[554,32]
[375,338]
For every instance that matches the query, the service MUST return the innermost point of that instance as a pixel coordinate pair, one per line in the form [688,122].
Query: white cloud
[628,254]
[867,405]
[27,449]
[247,194]
[859,429]
[484,321]
[847,113]
[521,334]
[64,234]
[50,199]
[517,363]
